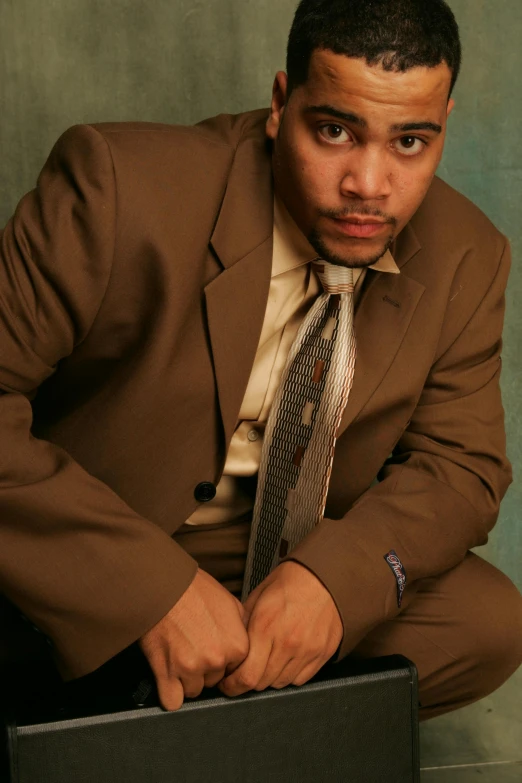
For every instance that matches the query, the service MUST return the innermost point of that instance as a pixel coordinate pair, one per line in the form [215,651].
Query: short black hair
[398,34]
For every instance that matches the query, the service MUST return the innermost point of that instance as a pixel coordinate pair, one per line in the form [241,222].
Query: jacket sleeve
[80,564]
[438,495]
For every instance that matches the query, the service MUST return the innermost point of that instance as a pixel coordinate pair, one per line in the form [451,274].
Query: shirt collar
[292,249]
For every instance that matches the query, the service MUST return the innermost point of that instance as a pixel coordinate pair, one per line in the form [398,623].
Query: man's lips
[360,227]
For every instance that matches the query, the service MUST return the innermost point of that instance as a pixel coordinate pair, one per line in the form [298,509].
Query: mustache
[346,212]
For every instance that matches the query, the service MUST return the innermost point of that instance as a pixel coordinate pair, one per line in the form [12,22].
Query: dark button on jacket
[205,491]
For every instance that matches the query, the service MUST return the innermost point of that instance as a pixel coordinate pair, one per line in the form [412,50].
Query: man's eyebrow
[354,119]
[416,126]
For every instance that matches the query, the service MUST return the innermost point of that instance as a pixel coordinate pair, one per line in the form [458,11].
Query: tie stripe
[318,371]
[329,329]
[307,413]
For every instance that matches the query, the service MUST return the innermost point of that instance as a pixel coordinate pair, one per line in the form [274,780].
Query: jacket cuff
[355,573]
[150,591]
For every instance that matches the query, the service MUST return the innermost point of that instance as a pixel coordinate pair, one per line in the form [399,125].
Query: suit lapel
[236,299]
[236,303]
[382,318]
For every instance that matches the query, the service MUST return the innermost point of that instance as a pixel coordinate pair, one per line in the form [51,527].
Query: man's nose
[368,175]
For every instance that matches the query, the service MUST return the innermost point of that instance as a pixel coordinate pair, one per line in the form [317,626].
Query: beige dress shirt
[294,287]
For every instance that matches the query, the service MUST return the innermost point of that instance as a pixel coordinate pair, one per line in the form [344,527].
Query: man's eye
[410,145]
[335,134]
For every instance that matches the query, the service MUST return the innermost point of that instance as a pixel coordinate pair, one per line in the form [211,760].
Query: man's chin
[359,256]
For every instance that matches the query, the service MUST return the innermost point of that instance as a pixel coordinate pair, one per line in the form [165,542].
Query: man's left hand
[294,628]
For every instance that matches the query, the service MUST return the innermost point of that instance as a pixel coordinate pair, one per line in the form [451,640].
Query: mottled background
[70,61]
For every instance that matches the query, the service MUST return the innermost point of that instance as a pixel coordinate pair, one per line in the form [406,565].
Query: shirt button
[253,435]
[205,491]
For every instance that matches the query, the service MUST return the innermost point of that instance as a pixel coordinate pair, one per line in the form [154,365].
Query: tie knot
[335,279]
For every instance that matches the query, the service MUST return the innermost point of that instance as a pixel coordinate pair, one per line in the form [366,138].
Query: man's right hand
[202,637]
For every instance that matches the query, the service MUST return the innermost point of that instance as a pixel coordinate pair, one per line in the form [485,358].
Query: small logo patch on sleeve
[393,560]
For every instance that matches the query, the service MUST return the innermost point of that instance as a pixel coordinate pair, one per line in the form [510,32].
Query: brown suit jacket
[133,285]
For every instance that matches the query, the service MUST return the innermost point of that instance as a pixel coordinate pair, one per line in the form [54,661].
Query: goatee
[353,262]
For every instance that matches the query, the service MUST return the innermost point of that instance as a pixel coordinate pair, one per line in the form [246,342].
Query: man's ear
[277,106]
[451,104]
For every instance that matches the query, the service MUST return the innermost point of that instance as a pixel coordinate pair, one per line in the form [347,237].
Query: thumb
[252,599]
[243,613]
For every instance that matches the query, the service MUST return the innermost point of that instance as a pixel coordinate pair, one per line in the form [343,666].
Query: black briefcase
[355,721]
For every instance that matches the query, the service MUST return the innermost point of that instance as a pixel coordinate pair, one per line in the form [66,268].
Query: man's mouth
[360,227]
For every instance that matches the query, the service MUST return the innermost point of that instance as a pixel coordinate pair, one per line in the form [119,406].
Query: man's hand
[192,646]
[294,628]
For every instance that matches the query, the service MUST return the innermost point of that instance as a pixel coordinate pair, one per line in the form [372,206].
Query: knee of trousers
[491,636]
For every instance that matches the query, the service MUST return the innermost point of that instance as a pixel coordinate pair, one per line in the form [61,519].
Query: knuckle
[301,680]
[192,693]
[246,679]
[292,643]
[191,667]
[241,648]
[215,661]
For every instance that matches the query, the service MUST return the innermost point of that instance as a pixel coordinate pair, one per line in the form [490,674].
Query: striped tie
[300,435]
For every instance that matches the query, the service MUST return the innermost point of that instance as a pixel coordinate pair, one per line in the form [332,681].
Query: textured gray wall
[68,61]
[482,160]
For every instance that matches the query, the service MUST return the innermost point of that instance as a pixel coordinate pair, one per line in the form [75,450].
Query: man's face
[355,150]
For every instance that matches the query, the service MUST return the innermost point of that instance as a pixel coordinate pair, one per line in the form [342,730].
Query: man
[152,287]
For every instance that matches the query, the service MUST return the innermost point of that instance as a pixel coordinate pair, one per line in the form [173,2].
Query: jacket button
[205,491]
